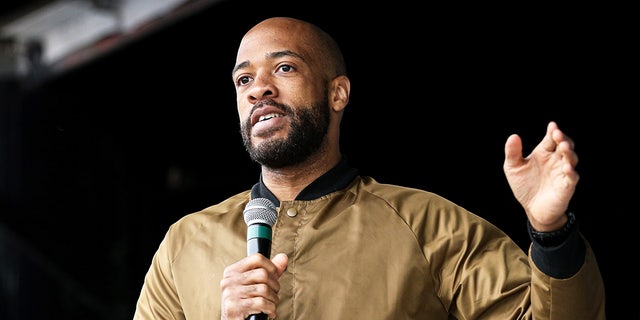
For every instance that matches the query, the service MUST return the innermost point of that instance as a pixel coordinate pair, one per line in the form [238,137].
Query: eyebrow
[271,55]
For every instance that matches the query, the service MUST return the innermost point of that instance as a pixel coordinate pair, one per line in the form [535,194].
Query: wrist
[556,237]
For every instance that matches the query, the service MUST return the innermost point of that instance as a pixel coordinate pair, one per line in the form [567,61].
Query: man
[348,247]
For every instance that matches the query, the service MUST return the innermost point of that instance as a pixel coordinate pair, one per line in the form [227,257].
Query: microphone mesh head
[260,210]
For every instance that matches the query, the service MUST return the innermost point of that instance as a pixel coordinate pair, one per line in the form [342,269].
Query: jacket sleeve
[158,297]
[580,296]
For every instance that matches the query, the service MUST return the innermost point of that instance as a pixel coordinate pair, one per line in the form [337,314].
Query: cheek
[243,109]
[304,96]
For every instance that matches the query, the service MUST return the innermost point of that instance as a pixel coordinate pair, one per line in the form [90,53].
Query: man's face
[281,97]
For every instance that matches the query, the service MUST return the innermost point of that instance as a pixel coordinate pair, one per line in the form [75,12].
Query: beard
[309,127]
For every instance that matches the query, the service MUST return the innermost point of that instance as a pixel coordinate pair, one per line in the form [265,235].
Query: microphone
[259,214]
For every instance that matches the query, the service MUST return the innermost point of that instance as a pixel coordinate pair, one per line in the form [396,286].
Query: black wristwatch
[553,238]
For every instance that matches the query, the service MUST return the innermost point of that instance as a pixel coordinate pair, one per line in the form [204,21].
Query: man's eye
[286,68]
[243,80]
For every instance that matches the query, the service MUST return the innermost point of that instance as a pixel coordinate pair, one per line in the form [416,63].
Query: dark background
[98,162]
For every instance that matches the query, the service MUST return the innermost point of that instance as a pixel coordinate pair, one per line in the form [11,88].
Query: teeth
[268,116]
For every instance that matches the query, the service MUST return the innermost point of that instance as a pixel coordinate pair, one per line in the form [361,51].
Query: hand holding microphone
[260,215]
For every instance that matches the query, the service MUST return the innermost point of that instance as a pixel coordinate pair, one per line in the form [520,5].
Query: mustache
[285,108]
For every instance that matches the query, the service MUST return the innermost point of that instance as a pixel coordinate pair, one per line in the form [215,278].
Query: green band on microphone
[259,231]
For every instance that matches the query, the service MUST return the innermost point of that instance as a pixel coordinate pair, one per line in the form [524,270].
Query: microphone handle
[259,245]
[259,241]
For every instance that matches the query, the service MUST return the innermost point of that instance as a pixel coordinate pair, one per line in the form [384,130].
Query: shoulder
[224,210]
[397,195]
[420,208]
[225,215]
[436,222]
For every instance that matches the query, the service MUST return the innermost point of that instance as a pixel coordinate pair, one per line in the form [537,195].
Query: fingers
[253,276]
[554,140]
[563,146]
[250,286]
[549,143]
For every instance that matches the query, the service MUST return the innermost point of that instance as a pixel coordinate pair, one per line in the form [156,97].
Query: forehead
[260,42]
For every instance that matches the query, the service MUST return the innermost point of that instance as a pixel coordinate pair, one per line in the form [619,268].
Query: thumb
[281,261]
[512,151]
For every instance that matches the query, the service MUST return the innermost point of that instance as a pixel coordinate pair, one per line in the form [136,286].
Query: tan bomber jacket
[369,251]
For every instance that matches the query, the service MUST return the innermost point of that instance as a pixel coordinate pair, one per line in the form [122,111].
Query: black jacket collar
[339,177]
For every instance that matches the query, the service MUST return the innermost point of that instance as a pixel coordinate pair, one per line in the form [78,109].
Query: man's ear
[339,92]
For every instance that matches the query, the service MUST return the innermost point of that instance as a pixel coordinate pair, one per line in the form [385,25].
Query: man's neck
[287,183]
